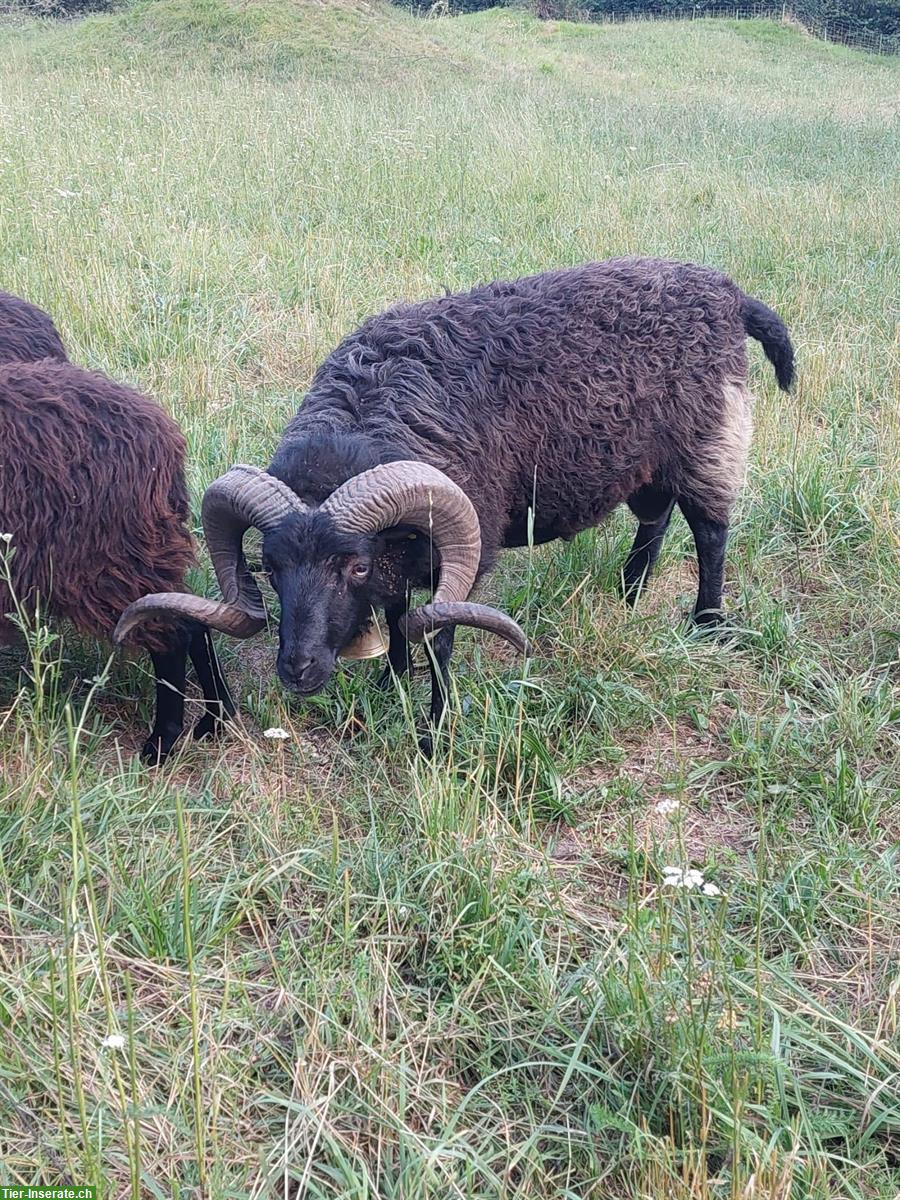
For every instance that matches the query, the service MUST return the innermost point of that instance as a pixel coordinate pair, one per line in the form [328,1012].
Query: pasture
[330,967]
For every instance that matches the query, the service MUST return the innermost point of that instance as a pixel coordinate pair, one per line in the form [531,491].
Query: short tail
[767,327]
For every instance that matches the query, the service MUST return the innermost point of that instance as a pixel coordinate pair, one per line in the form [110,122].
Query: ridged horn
[243,498]
[226,618]
[414,493]
[429,618]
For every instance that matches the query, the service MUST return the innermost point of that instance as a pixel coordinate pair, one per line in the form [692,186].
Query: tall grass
[340,970]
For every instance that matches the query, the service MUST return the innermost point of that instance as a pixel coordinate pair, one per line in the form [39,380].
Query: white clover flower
[113,1041]
[276,733]
[666,806]
[710,889]
[681,877]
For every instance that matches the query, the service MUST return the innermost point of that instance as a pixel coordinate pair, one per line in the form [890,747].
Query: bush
[858,16]
[62,8]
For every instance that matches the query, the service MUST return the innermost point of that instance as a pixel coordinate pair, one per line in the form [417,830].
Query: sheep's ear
[370,644]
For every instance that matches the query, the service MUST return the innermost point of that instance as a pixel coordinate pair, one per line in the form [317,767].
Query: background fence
[846,35]
[831,30]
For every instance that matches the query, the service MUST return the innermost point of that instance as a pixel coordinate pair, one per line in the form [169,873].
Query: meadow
[332,968]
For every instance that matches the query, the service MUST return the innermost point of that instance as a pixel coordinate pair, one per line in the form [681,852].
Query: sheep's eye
[359,570]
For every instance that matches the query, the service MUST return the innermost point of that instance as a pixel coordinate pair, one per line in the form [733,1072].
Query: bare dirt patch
[664,796]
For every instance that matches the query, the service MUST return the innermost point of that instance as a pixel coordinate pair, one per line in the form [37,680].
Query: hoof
[710,618]
[209,727]
[431,737]
[385,679]
[158,747]
[713,625]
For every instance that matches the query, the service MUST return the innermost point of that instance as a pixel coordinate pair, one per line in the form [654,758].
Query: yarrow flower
[681,877]
[113,1041]
[689,879]
[277,733]
[666,806]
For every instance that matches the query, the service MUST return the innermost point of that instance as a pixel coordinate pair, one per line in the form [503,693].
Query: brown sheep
[442,431]
[93,498]
[27,334]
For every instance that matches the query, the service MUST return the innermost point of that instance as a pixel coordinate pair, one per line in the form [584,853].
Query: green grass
[339,970]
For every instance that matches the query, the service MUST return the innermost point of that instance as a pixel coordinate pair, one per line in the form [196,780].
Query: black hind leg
[217,699]
[653,508]
[710,538]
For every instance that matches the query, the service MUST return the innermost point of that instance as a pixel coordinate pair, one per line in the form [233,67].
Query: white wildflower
[113,1041]
[5,537]
[689,879]
[277,733]
[402,911]
[666,806]
[681,877]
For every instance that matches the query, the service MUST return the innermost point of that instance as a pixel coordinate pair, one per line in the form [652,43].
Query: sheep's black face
[326,583]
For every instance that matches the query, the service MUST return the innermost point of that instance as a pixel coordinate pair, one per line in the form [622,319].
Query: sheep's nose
[298,665]
[302,672]
[302,665]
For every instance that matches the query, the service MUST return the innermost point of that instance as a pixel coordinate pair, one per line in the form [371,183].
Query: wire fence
[845,35]
[571,10]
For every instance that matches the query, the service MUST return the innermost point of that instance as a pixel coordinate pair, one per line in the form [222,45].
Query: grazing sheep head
[325,564]
[327,583]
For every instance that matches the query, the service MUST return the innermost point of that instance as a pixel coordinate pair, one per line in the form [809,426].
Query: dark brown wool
[92,491]
[27,334]
[566,392]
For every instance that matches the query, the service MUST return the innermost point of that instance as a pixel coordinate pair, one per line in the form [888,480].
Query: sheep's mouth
[312,680]
[302,689]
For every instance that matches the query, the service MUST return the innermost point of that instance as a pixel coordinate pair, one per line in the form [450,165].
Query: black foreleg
[170,667]
[440,653]
[216,696]
[398,662]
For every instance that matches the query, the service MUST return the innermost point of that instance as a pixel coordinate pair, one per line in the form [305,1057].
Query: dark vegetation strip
[872,25]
